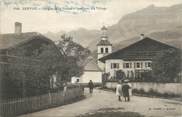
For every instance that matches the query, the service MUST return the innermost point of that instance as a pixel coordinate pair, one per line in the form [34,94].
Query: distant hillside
[162,23]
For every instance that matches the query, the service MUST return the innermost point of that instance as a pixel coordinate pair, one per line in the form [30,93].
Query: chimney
[18,27]
[142,36]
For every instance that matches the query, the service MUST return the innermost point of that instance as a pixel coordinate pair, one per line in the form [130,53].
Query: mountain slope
[162,23]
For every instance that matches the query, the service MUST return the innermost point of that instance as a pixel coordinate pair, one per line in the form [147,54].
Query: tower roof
[104,28]
[104,43]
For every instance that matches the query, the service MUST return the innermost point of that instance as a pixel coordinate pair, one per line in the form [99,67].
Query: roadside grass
[151,94]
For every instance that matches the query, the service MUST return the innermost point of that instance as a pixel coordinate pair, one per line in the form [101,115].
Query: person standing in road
[119,90]
[125,90]
[91,86]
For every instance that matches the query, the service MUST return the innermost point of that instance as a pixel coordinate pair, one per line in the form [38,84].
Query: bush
[152,92]
[135,91]
[166,95]
[142,91]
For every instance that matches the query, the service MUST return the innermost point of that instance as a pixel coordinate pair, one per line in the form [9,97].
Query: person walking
[91,86]
[125,90]
[119,90]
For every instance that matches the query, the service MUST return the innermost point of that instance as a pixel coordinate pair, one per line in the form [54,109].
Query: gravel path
[104,100]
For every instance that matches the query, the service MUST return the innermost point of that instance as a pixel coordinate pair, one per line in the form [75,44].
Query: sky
[67,15]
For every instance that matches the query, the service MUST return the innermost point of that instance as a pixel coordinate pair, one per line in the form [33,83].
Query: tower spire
[104,33]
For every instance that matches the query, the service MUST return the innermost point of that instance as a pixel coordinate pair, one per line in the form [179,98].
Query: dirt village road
[105,100]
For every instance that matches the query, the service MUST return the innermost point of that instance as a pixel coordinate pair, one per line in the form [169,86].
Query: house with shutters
[24,47]
[134,59]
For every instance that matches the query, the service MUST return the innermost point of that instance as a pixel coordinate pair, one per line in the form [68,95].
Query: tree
[167,65]
[71,48]
[29,74]
[75,57]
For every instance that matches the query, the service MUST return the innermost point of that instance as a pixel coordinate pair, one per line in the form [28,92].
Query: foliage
[167,65]
[147,76]
[73,49]
[152,93]
[30,74]
[33,65]
[75,57]
[70,69]
[120,75]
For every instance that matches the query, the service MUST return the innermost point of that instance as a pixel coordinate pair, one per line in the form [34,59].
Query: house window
[102,50]
[137,65]
[126,65]
[114,65]
[106,50]
[148,64]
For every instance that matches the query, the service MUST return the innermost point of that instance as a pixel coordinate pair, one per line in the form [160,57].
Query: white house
[134,59]
[91,72]
[75,79]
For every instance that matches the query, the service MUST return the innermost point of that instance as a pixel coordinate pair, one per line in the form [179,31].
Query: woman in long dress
[119,90]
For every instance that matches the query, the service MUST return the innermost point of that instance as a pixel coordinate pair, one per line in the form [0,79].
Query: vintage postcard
[90,58]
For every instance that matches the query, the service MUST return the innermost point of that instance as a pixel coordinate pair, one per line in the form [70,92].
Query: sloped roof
[144,49]
[13,39]
[103,42]
[104,28]
[91,65]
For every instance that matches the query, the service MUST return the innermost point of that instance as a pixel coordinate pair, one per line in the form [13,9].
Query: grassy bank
[112,114]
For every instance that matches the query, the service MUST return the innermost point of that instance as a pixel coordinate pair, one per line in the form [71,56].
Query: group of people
[123,89]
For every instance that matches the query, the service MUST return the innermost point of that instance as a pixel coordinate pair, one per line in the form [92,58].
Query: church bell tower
[104,47]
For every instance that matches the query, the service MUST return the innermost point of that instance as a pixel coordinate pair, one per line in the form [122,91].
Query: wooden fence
[12,108]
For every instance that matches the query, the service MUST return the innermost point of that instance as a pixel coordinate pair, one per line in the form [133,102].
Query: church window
[106,50]
[102,50]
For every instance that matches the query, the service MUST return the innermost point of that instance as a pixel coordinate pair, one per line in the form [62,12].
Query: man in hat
[125,90]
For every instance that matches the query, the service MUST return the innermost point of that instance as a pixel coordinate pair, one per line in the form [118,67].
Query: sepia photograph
[90,58]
